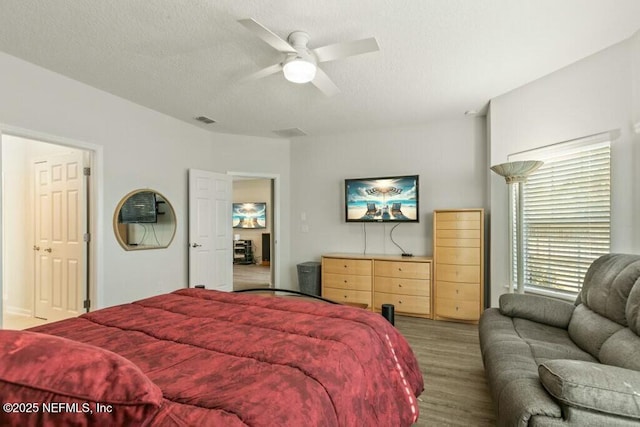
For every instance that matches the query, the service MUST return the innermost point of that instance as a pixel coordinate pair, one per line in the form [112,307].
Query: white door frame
[275,264]
[96,191]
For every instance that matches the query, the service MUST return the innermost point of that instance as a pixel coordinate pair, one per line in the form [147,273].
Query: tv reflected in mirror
[139,208]
[384,199]
[249,215]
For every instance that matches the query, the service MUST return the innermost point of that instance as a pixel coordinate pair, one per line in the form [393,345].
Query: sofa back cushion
[608,283]
[622,350]
[589,330]
[633,308]
[609,302]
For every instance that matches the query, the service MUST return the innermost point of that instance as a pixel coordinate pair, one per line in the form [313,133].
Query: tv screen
[139,208]
[386,199]
[249,215]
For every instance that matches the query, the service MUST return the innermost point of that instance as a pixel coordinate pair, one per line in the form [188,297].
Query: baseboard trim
[17,311]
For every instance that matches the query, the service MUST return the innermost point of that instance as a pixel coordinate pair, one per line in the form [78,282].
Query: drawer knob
[399,285]
[345,280]
[399,268]
[456,308]
[399,301]
[457,291]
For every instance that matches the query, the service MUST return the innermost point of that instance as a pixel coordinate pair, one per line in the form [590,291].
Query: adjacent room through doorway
[45,223]
[253,226]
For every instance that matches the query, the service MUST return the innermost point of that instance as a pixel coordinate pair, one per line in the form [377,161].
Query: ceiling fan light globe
[299,71]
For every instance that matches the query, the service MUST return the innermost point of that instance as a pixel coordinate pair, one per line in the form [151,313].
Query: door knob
[48,250]
[195,245]
[36,248]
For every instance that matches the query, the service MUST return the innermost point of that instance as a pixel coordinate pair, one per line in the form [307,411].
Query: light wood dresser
[458,252]
[404,282]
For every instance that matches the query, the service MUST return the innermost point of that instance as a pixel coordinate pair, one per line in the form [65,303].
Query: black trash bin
[309,277]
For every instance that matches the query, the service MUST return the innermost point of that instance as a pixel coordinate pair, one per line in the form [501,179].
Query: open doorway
[45,231]
[253,222]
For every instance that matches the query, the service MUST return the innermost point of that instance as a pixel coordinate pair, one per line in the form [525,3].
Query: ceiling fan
[300,64]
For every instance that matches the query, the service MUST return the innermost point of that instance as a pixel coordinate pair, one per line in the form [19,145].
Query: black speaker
[389,313]
[266,247]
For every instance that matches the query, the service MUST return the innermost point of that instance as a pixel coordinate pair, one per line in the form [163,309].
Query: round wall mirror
[144,219]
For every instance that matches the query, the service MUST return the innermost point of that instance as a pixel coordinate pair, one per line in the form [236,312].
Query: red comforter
[225,359]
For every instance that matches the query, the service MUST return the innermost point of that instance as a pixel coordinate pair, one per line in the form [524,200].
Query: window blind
[566,215]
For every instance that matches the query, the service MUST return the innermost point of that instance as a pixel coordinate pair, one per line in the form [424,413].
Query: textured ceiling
[437,58]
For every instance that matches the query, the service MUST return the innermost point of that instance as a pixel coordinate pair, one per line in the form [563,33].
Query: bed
[208,358]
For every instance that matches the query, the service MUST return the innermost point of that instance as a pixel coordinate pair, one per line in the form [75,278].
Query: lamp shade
[516,171]
[299,71]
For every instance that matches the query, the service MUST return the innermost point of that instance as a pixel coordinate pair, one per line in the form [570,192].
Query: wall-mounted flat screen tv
[249,215]
[385,199]
[139,208]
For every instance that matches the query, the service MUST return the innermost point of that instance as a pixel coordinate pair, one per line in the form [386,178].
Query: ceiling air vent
[205,119]
[290,133]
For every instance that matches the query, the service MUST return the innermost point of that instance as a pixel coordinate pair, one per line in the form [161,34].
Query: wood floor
[251,276]
[456,392]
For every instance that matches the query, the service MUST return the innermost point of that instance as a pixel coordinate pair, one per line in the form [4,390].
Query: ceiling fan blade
[324,83]
[262,73]
[267,35]
[343,50]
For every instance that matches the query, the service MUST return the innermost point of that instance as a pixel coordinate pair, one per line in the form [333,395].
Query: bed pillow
[49,380]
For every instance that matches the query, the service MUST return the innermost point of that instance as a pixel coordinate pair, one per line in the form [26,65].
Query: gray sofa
[554,363]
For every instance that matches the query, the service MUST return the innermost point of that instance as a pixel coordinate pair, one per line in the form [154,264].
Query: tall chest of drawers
[379,279]
[458,251]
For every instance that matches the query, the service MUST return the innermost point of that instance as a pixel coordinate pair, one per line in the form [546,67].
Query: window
[566,214]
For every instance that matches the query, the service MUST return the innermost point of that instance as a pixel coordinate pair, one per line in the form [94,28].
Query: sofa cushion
[48,370]
[622,350]
[633,308]
[589,330]
[538,308]
[512,372]
[608,283]
[593,386]
[546,342]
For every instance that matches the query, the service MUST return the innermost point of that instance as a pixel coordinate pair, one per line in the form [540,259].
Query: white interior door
[210,239]
[59,247]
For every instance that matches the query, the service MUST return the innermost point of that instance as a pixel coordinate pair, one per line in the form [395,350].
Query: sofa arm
[593,386]
[549,311]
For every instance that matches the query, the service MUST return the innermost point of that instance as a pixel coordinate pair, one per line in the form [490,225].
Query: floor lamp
[516,173]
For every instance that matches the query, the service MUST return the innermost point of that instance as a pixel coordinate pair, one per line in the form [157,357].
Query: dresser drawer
[392,285]
[457,242]
[454,309]
[458,273]
[458,216]
[346,266]
[458,291]
[408,270]
[403,303]
[347,296]
[463,256]
[346,281]
[459,234]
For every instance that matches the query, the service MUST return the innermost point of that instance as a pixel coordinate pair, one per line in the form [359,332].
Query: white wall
[449,156]
[16,269]
[137,148]
[591,96]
